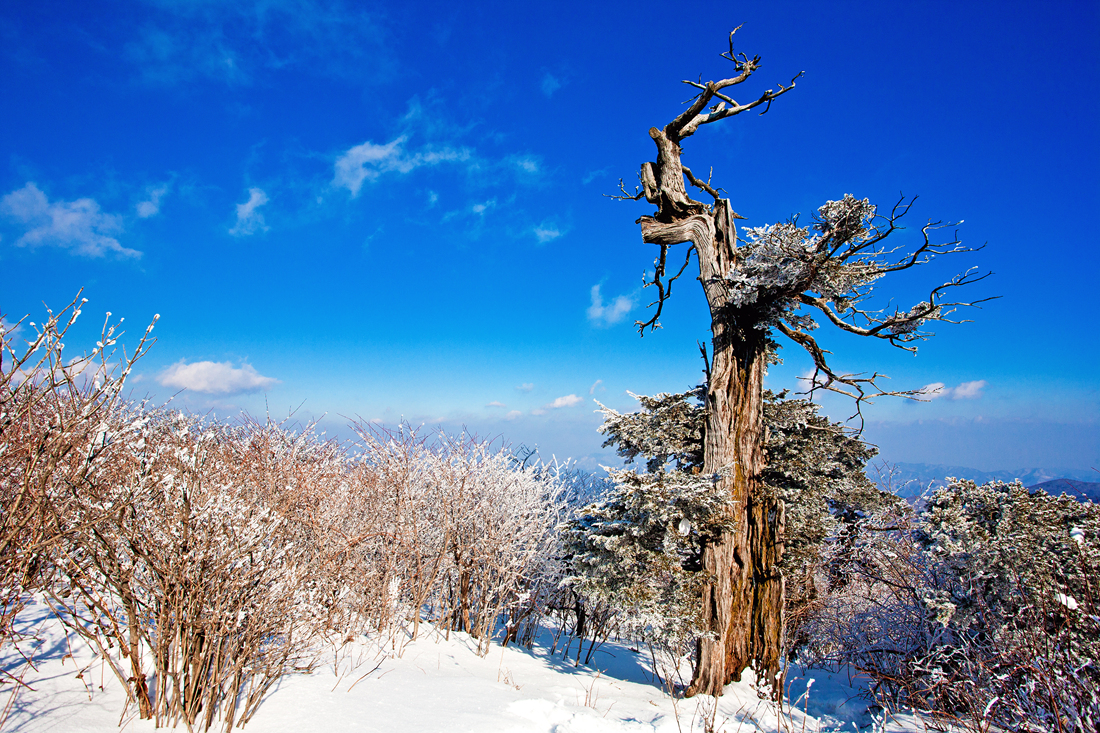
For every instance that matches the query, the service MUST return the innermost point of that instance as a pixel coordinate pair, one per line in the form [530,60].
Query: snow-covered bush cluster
[54,412]
[222,553]
[982,608]
[181,567]
[451,528]
[205,559]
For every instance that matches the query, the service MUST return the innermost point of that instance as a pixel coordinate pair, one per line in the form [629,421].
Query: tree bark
[743,600]
[743,603]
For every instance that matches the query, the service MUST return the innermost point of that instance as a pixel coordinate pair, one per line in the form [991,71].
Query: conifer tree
[640,548]
[781,279]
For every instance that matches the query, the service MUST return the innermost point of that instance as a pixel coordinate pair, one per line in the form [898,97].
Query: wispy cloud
[513,415]
[151,206]
[964,391]
[210,377]
[368,161]
[596,385]
[525,387]
[79,225]
[525,163]
[365,162]
[249,219]
[567,401]
[494,403]
[607,315]
[233,42]
[593,175]
[547,232]
[550,84]
[481,208]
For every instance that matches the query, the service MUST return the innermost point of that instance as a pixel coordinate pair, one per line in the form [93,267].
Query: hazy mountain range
[912,479]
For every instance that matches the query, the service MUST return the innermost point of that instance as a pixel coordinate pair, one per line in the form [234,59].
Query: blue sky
[387,210]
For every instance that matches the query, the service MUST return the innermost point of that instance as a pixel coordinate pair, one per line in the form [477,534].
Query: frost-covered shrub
[499,522]
[54,407]
[182,569]
[449,526]
[1015,578]
[982,609]
[638,549]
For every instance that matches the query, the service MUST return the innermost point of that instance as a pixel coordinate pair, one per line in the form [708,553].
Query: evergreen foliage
[640,547]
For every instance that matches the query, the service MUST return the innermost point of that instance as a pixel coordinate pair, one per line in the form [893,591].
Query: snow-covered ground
[436,684]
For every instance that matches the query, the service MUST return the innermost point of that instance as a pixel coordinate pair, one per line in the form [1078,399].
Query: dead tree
[781,278]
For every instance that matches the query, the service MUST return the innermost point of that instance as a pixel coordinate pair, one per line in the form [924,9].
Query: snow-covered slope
[438,684]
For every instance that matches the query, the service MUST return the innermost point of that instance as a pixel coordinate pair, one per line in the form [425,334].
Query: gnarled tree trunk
[743,602]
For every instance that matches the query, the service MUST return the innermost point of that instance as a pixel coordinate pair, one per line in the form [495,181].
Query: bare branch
[716,193]
[664,288]
[860,388]
[687,122]
[625,195]
[706,359]
[684,126]
[901,327]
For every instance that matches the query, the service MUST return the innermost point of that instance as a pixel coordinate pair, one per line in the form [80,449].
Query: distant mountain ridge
[1081,489]
[912,479]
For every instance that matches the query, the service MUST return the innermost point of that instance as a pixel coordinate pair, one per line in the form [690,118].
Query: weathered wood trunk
[743,602]
[743,605]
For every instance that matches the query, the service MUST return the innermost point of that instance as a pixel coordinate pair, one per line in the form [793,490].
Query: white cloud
[593,175]
[249,220]
[933,391]
[607,315]
[525,387]
[151,206]
[77,225]
[595,386]
[546,232]
[480,209]
[513,415]
[366,162]
[212,377]
[494,403]
[539,411]
[476,211]
[526,163]
[567,401]
[964,391]
[550,84]
[970,390]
